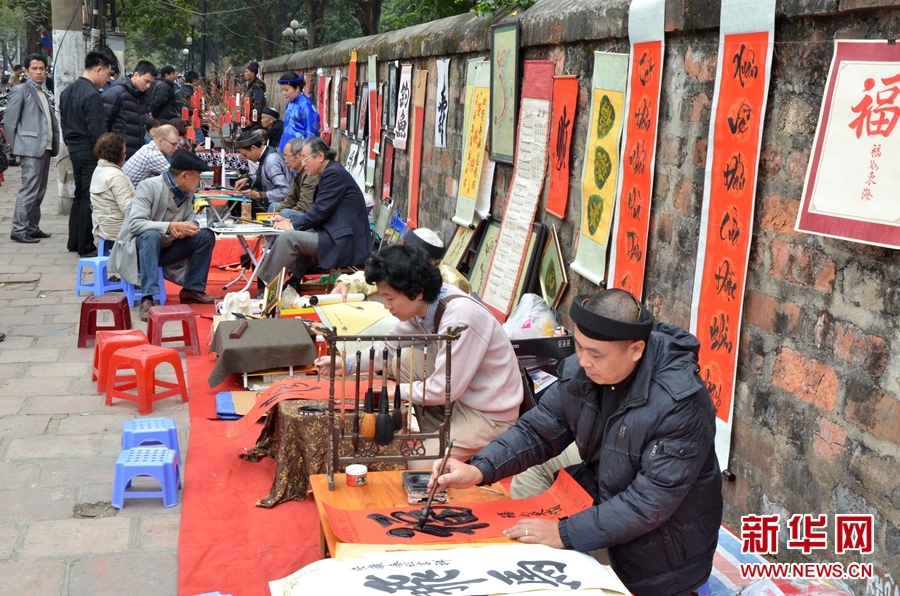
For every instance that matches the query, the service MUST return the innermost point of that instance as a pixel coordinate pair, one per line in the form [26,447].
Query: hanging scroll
[344,104]
[739,103]
[475,125]
[529,169]
[851,185]
[393,85]
[463,521]
[628,254]
[374,121]
[362,112]
[504,87]
[336,99]
[601,164]
[322,96]
[415,146]
[404,97]
[565,99]
[387,173]
[442,103]
[351,78]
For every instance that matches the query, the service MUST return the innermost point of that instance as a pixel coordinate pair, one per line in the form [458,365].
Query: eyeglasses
[303,160]
[168,141]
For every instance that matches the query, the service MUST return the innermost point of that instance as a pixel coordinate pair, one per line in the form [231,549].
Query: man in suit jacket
[32,127]
[335,230]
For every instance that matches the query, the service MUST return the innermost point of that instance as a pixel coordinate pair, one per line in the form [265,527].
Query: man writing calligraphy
[632,403]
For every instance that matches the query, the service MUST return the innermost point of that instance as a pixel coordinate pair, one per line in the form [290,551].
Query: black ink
[638,158]
[634,203]
[719,333]
[536,572]
[735,178]
[745,65]
[562,140]
[633,252]
[725,281]
[443,523]
[642,115]
[714,389]
[739,123]
[730,228]
[645,68]
[442,116]
[381,519]
[421,583]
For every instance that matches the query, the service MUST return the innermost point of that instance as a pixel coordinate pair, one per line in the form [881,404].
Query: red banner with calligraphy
[628,258]
[565,100]
[727,218]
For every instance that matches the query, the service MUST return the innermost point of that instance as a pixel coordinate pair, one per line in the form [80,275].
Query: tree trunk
[315,9]
[368,13]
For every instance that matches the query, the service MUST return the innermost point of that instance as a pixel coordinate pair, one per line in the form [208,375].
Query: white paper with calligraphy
[501,569]
[442,103]
[475,127]
[336,100]
[852,188]
[404,99]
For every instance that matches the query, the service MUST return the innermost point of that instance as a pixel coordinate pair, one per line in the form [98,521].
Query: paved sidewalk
[59,442]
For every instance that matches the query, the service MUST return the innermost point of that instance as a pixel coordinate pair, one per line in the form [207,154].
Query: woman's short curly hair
[111,147]
[406,269]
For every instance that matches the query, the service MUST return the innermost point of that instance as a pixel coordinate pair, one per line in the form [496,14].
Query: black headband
[296,81]
[603,328]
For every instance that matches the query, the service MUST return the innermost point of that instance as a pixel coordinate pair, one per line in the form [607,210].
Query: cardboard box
[555,348]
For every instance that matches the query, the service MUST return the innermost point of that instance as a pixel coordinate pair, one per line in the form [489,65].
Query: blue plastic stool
[101,283]
[104,246]
[156,462]
[702,590]
[158,431]
[134,294]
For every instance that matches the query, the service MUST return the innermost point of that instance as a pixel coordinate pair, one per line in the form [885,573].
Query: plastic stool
[161,431]
[134,294]
[144,360]
[104,246]
[702,590]
[159,315]
[88,328]
[101,283]
[156,462]
[106,344]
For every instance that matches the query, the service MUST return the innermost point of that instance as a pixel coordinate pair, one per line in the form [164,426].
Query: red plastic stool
[144,360]
[160,315]
[105,346]
[88,328]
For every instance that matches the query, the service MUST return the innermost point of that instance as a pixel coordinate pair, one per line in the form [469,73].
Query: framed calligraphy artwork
[459,246]
[393,86]
[628,253]
[504,90]
[404,100]
[478,95]
[442,103]
[478,272]
[565,100]
[363,111]
[344,104]
[739,102]
[553,275]
[851,190]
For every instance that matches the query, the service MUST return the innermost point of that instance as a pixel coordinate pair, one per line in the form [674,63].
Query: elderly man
[33,131]
[300,198]
[151,159]
[127,105]
[255,90]
[160,229]
[271,121]
[632,400]
[271,183]
[335,230]
[164,104]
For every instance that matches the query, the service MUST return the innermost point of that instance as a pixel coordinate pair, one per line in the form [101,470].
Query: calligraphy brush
[412,375]
[344,389]
[367,428]
[397,414]
[427,511]
[356,411]
[384,425]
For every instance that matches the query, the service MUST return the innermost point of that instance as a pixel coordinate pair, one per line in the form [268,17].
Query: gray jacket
[147,211]
[26,122]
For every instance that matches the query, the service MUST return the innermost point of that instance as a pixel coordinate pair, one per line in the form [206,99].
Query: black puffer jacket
[660,489]
[164,104]
[127,113]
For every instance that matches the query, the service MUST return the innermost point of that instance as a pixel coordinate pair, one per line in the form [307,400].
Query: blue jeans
[197,250]
[290,213]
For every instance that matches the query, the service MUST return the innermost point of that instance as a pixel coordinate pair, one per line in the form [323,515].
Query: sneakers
[192,296]
[144,311]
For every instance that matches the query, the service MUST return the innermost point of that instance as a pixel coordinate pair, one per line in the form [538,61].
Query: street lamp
[185,52]
[190,43]
[295,34]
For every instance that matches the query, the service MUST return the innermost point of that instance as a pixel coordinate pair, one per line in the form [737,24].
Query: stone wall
[817,416]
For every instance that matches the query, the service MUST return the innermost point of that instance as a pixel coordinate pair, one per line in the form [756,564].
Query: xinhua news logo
[851,533]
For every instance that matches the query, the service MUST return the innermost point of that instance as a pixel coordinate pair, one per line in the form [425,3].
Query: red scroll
[565,99]
[415,150]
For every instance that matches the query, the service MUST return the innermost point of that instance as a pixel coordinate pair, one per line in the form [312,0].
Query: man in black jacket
[164,104]
[82,120]
[127,106]
[633,402]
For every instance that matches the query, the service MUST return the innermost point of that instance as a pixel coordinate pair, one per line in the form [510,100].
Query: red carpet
[228,544]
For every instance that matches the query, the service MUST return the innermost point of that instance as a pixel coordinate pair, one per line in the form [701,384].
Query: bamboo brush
[356,410]
[367,428]
[344,389]
[384,425]
[397,414]
[412,375]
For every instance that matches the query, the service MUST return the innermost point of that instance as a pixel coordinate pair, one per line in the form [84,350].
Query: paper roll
[323,299]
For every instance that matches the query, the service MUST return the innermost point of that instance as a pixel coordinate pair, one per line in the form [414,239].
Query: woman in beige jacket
[111,190]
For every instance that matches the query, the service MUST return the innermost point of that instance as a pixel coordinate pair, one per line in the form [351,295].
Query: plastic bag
[532,318]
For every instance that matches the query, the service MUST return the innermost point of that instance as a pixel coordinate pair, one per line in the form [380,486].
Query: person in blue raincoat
[300,117]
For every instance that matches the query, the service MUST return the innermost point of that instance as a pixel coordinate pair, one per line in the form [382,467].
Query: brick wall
[817,415]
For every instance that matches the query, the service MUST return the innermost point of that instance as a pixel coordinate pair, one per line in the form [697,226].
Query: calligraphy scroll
[851,184]
[363,108]
[336,99]
[442,103]
[393,85]
[601,164]
[628,254]
[351,78]
[404,97]
[321,96]
[739,103]
[387,173]
[565,98]
[529,168]
[415,149]
[456,521]
[344,104]
[475,127]
[374,121]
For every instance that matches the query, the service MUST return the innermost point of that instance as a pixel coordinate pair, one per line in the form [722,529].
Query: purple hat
[253,67]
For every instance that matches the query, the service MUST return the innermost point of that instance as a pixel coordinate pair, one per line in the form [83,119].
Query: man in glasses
[151,159]
[631,399]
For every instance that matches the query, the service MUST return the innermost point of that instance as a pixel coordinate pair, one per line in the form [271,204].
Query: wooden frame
[478,274]
[272,295]
[554,278]
[459,246]
[505,74]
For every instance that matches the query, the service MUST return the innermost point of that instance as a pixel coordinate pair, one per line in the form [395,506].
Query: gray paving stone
[11,405]
[8,371]
[34,301]
[71,404]
[73,537]
[77,471]
[57,341]
[93,424]
[60,369]
[158,532]
[38,355]
[83,385]
[16,474]
[145,574]
[9,534]
[37,503]
[17,343]
[32,578]
[6,320]
[30,386]
[50,446]
[23,425]
[41,330]
[74,354]
[69,317]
